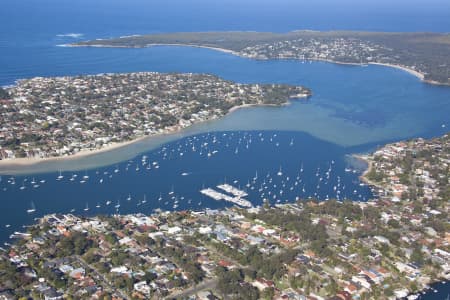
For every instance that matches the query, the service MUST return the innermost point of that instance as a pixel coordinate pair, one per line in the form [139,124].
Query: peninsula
[63,116]
[426,55]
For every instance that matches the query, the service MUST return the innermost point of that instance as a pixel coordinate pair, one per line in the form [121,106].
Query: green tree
[4,94]
[417,255]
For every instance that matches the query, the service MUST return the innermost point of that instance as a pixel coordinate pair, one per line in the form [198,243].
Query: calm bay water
[351,105]
[170,177]
[353,109]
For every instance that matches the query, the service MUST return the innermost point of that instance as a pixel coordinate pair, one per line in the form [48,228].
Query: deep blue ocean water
[353,109]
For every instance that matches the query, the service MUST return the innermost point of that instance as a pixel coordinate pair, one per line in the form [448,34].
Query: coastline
[197,46]
[363,176]
[419,75]
[413,72]
[29,161]
[155,45]
[235,108]
[9,165]
[12,166]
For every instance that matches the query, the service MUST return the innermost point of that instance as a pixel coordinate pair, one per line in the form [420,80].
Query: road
[209,284]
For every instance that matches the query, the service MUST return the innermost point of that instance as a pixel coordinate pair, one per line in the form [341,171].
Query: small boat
[280,173]
[117,206]
[98,205]
[108,202]
[145,199]
[129,197]
[87,207]
[32,209]
[60,176]
[184,174]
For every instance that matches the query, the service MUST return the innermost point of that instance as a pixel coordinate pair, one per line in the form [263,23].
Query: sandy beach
[234,108]
[363,176]
[406,69]
[154,45]
[28,161]
[410,71]
[198,46]
[13,166]
[418,74]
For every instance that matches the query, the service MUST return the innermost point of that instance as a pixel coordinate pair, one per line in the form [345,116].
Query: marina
[232,190]
[221,196]
[310,169]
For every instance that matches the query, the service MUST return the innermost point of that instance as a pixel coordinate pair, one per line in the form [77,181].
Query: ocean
[353,109]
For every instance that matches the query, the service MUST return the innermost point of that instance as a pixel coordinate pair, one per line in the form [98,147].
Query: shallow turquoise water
[350,106]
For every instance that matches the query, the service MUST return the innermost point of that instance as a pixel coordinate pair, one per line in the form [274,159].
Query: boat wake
[71,35]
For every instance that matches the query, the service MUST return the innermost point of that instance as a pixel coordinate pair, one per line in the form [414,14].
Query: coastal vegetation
[4,94]
[424,53]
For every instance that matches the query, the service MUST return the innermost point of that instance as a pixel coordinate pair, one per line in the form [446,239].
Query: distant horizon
[202,15]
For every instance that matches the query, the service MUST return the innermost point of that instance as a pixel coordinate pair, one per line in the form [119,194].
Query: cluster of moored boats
[282,185]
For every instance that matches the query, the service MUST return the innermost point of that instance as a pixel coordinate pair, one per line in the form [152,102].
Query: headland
[425,55]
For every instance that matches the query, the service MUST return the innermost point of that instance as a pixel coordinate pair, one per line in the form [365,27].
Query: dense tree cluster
[76,243]
[4,94]
[231,282]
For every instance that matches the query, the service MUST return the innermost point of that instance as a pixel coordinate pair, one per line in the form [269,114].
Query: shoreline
[26,162]
[29,161]
[154,45]
[363,176]
[413,72]
[196,46]
[13,166]
[419,75]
